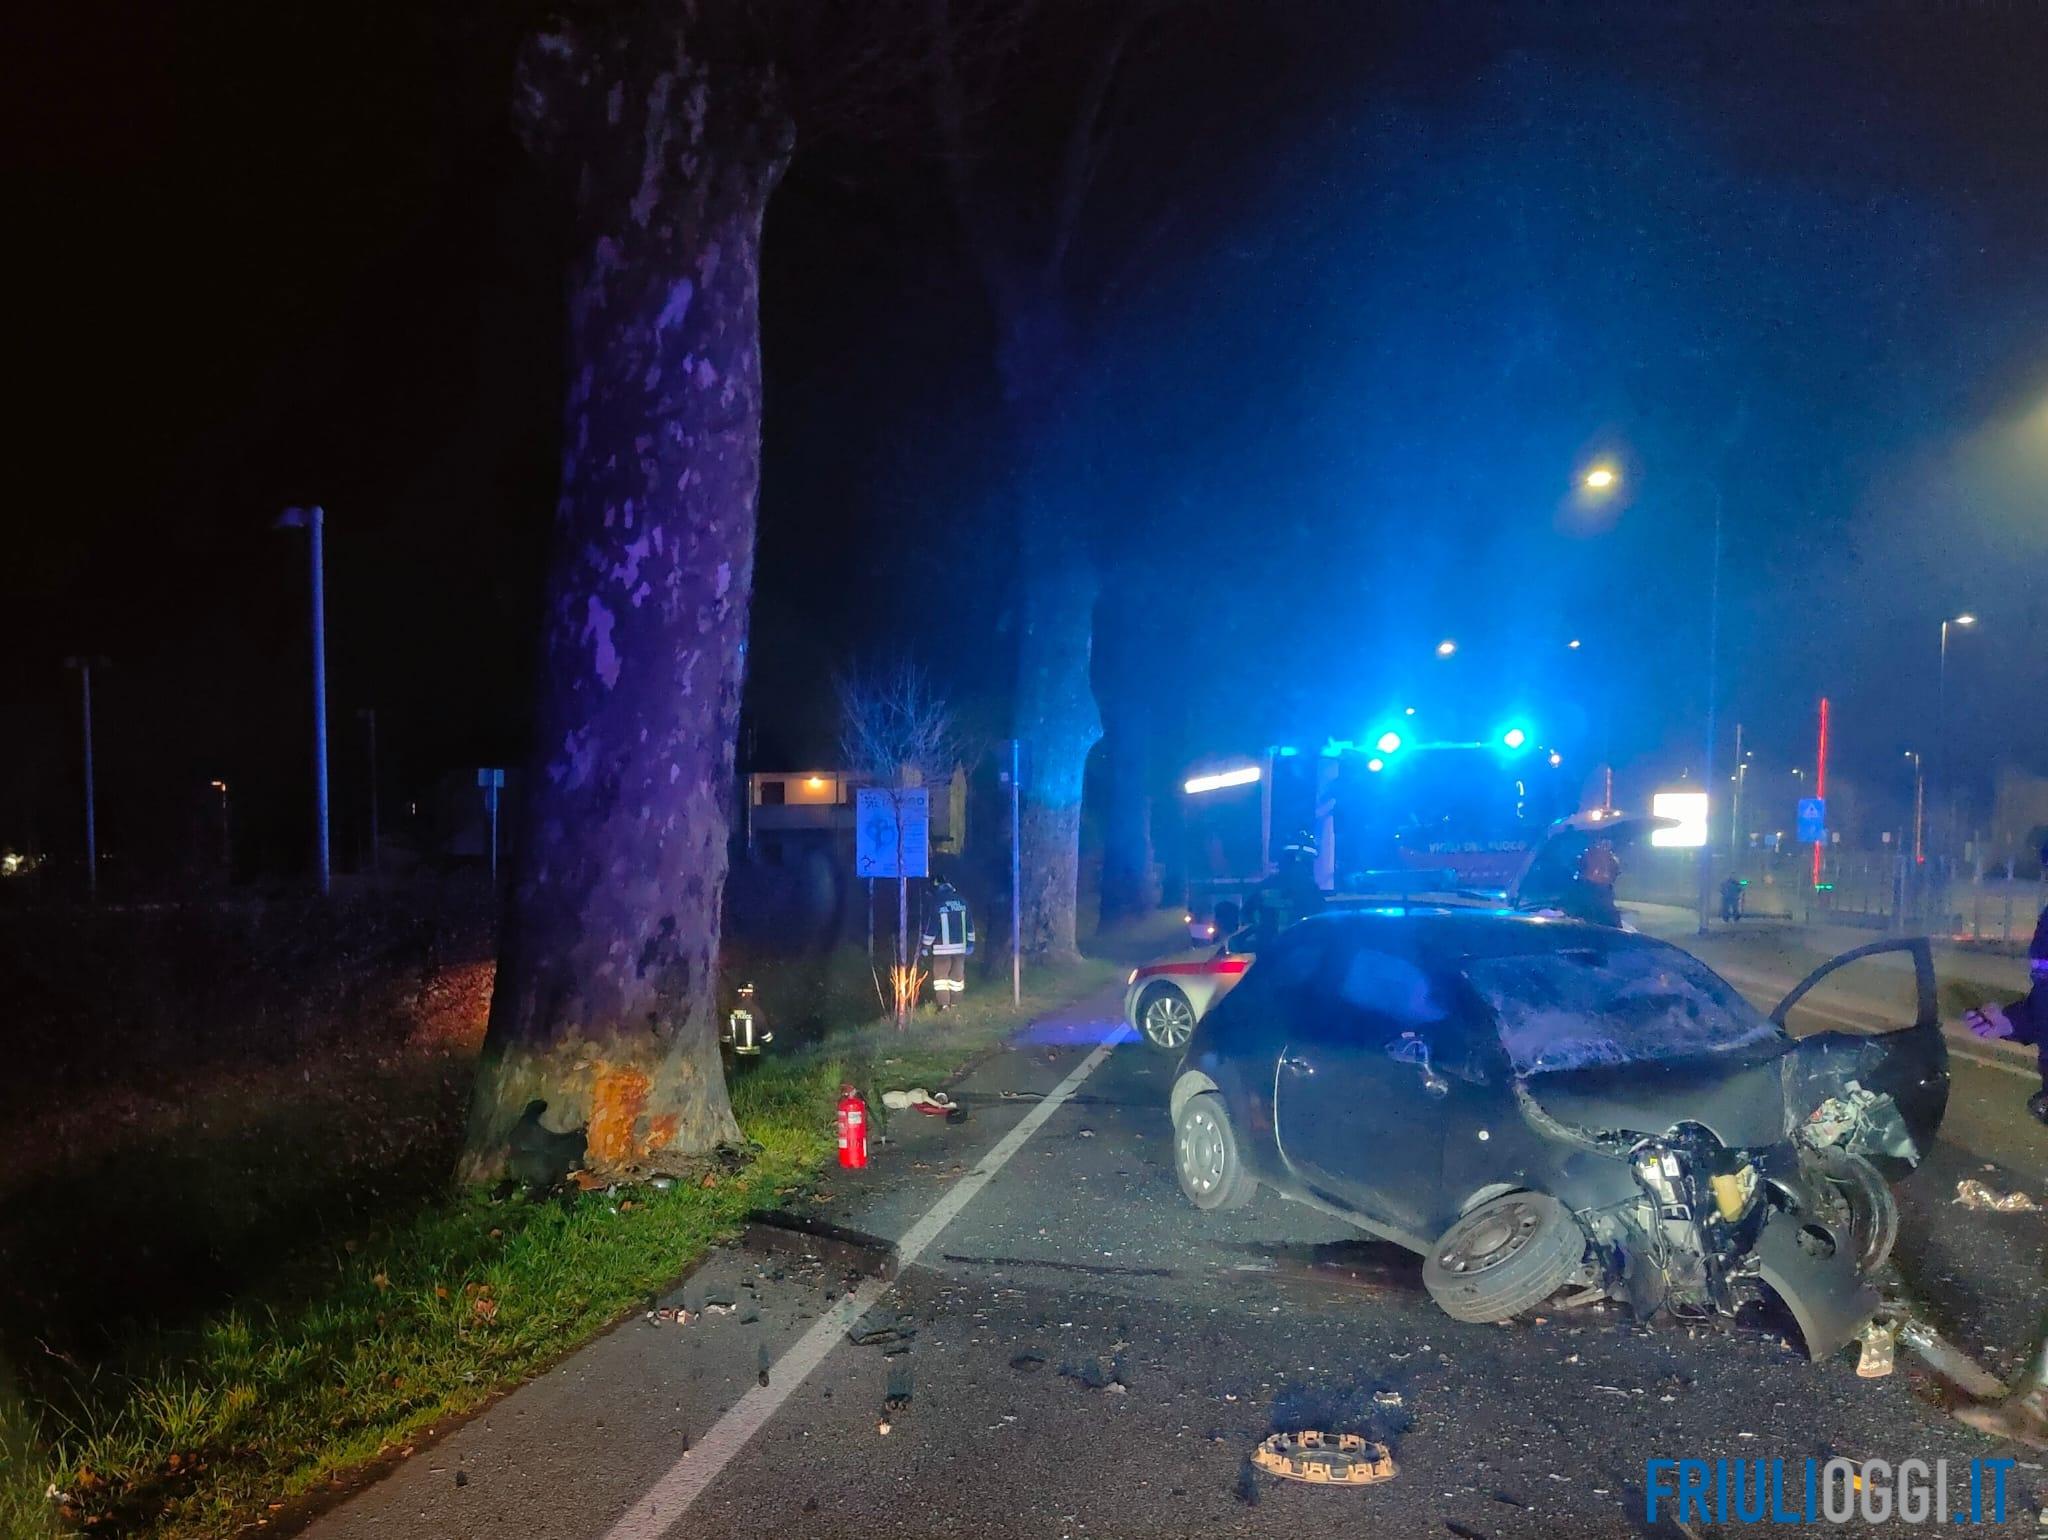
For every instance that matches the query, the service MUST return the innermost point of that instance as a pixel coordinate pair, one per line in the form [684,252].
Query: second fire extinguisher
[853,1129]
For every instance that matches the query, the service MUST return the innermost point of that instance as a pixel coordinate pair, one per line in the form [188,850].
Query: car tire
[1166,1018]
[1206,1156]
[1508,1255]
[1873,1211]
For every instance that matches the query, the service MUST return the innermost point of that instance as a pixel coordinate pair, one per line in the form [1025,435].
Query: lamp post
[1740,778]
[92,841]
[1919,808]
[1601,480]
[227,848]
[312,521]
[1964,621]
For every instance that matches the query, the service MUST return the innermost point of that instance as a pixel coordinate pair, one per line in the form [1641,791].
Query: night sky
[1362,290]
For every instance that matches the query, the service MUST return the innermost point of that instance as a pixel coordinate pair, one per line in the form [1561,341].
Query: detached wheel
[1166,1018]
[1508,1255]
[1206,1157]
[1873,1211]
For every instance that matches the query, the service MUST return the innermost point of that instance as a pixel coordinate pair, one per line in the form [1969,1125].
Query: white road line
[666,1501]
[1863,1024]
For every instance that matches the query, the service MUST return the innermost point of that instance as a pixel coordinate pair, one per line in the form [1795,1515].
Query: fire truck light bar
[1195,786]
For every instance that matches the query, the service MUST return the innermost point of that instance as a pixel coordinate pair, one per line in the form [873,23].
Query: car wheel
[1206,1157]
[1166,1018]
[1873,1212]
[1508,1255]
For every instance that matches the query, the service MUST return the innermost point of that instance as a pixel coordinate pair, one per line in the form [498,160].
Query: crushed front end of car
[1684,1224]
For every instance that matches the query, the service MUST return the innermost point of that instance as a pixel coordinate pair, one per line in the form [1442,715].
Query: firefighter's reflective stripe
[949,935]
[949,986]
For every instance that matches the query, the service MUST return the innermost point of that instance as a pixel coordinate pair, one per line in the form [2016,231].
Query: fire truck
[1397,811]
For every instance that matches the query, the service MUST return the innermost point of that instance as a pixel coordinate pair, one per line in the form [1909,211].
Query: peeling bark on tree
[605,1005]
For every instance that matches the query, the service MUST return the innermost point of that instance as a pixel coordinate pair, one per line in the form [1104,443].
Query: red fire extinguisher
[853,1129]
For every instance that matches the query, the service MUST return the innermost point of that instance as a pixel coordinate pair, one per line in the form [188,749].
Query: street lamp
[227,849]
[1605,478]
[1919,809]
[312,520]
[92,840]
[1964,621]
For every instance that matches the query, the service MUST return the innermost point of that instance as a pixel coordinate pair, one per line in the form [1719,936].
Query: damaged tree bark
[604,1005]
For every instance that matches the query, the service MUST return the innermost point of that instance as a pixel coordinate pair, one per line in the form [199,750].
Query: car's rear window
[1589,1006]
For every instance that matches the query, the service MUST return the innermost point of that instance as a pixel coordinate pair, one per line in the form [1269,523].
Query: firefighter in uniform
[947,939]
[1291,893]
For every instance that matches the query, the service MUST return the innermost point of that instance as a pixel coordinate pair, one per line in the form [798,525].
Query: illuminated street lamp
[227,855]
[1603,478]
[1964,621]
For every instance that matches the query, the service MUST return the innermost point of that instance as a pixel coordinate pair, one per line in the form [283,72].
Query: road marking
[669,1498]
[1863,1024]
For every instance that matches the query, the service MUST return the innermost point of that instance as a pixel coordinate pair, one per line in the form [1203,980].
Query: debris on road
[1971,1193]
[881,1328]
[1386,1398]
[1950,1361]
[1874,1360]
[898,1397]
[1325,1459]
[1096,1375]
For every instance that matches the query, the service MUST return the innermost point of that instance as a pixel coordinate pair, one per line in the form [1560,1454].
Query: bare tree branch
[894,729]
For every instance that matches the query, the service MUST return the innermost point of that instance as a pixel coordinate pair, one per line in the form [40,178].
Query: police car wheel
[1166,1018]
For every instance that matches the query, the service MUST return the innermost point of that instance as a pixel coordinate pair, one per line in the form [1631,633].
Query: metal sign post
[1016,879]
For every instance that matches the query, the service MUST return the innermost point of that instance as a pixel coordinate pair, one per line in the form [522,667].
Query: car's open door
[1868,1070]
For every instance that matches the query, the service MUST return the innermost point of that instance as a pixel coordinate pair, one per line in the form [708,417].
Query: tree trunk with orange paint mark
[605,1003]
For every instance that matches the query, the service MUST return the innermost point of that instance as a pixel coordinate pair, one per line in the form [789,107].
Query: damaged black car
[1536,1106]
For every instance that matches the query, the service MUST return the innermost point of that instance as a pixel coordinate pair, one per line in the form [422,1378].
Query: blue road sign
[1813,820]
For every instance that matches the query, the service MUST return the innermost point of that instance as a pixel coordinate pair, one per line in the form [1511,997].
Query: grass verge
[365,1344]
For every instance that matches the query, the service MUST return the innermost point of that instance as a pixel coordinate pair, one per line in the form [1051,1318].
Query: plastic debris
[1325,1459]
[1950,1361]
[1386,1398]
[1876,1357]
[1972,1193]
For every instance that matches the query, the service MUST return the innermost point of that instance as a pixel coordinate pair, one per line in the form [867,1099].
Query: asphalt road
[1080,1352]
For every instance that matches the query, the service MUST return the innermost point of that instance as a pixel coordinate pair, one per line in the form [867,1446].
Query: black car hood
[1740,1101]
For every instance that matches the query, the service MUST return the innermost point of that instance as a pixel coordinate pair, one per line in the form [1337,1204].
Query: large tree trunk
[1055,707]
[1130,889]
[1056,716]
[605,1005]
[1127,657]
